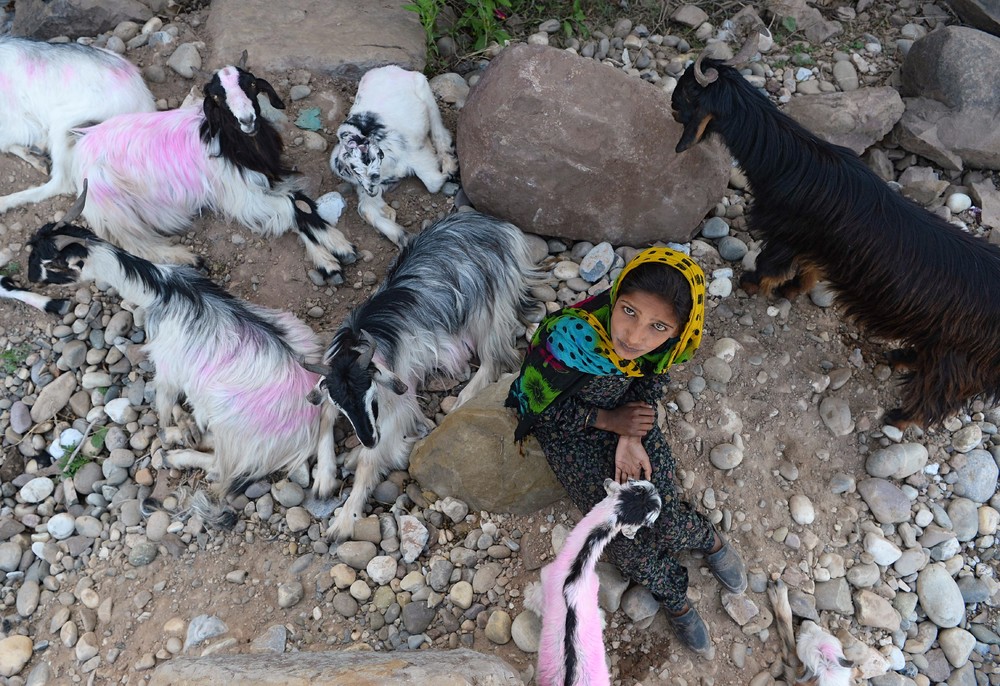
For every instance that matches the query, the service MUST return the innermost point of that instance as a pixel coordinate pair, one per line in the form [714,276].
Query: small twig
[79,445]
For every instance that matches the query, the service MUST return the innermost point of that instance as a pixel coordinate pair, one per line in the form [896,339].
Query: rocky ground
[888,539]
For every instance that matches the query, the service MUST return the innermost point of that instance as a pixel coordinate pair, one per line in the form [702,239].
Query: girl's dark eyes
[659,327]
[628,310]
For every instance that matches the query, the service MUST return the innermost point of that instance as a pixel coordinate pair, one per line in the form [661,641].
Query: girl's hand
[631,419]
[631,460]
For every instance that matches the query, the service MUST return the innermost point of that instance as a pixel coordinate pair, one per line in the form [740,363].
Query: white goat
[237,364]
[817,658]
[457,289]
[394,130]
[151,174]
[49,89]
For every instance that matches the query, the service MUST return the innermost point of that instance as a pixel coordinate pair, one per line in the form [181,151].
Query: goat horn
[242,64]
[76,210]
[704,78]
[321,369]
[748,50]
[367,351]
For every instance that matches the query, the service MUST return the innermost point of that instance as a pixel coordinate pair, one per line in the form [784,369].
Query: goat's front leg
[365,480]
[326,454]
[326,245]
[376,212]
[775,267]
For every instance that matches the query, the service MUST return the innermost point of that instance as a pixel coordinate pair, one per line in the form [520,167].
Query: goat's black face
[689,104]
[638,504]
[231,96]
[58,254]
[353,390]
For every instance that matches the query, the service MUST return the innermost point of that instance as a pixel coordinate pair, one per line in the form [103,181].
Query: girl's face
[640,323]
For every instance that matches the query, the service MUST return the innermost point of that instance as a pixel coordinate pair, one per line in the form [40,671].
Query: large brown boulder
[855,119]
[566,146]
[472,456]
[74,18]
[335,38]
[400,668]
[952,102]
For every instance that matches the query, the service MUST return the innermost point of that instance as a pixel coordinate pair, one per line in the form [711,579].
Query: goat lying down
[237,364]
[571,650]
[457,289]
[817,658]
[151,174]
[901,272]
[393,130]
[50,88]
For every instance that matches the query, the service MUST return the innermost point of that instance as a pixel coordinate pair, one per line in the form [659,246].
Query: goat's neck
[120,270]
[587,540]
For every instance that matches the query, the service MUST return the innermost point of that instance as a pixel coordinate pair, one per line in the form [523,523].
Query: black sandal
[727,566]
[691,630]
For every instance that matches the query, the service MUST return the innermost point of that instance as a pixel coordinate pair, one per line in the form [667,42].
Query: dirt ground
[782,353]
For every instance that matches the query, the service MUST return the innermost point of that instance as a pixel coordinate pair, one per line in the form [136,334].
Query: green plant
[97,440]
[13,358]
[71,461]
[482,20]
[10,269]
[428,11]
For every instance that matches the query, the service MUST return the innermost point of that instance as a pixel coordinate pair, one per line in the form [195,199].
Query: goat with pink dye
[571,650]
[237,364]
[48,89]
[151,174]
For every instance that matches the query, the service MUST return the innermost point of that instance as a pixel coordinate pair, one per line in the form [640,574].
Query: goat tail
[194,502]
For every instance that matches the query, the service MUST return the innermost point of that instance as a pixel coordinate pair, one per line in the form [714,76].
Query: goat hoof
[349,258]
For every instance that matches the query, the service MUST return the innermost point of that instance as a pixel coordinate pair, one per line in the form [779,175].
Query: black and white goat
[47,89]
[571,649]
[394,130]
[237,364]
[151,174]
[457,289]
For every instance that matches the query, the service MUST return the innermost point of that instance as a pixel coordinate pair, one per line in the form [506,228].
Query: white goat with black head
[47,89]
[151,174]
[458,288]
[237,364]
[394,130]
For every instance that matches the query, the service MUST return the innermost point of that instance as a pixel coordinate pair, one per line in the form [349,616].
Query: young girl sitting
[588,390]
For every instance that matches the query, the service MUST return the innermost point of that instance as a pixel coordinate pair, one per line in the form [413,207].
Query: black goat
[901,272]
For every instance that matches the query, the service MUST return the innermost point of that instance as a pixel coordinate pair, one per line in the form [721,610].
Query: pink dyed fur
[588,641]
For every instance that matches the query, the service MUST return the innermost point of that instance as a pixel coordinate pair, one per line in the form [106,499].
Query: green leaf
[789,24]
[97,440]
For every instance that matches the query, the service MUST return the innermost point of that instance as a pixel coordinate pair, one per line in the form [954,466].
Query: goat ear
[391,381]
[845,663]
[272,96]
[611,486]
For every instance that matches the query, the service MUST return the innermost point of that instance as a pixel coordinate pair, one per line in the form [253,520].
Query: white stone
[61,526]
[957,645]
[382,569]
[801,509]
[120,411]
[330,206]
[940,596]
[15,651]
[726,456]
[958,202]
[882,551]
[37,490]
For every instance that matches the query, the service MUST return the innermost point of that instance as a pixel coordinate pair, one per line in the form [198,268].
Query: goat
[49,89]
[901,272]
[385,138]
[150,174]
[457,288]
[817,658]
[237,364]
[571,649]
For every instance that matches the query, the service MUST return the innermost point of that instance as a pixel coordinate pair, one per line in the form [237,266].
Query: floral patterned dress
[582,457]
